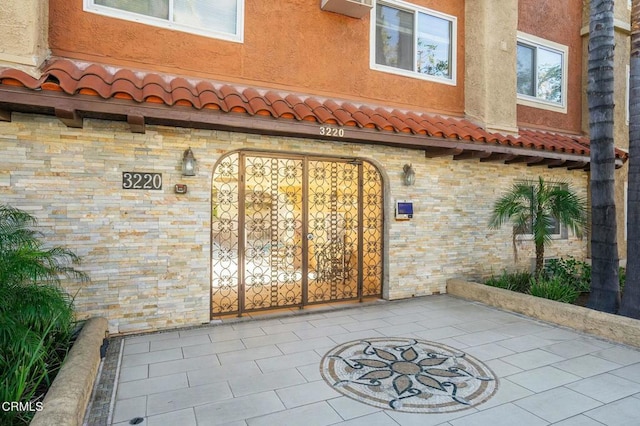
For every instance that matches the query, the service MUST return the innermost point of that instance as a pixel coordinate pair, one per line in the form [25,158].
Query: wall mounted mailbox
[404,210]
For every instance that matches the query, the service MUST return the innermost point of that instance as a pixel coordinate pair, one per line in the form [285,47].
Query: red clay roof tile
[23,78]
[282,109]
[74,77]
[126,86]
[323,114]
[90,81]
[158,80]
[127,75]
[260,107]
[156,91]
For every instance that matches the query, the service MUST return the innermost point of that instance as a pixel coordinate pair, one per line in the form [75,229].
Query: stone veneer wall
[147,252]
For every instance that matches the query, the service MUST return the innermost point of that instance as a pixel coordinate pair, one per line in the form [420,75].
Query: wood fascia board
[187,117]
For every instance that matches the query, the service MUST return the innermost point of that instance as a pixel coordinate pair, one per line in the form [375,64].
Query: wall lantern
[408,175]
[188,163]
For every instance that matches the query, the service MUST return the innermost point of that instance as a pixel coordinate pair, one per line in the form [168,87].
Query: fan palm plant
[24,259]
[534,207]
[36,315]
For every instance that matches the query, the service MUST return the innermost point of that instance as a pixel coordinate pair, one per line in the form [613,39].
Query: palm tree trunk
[605,292]
[539,259]
[631,298]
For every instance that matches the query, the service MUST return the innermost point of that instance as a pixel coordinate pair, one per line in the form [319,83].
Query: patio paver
[265,370]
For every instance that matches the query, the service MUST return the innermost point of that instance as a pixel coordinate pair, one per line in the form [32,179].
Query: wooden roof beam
[5,115]
[550,162]
[524,159]
[136,123]
[469,155]
[433,152]
[497,156]
[69,117]
[577,165]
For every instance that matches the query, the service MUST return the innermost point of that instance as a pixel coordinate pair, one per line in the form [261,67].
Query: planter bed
[612,327]
[66,400]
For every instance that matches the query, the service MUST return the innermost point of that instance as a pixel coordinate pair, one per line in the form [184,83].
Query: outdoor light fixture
[188,163]
[409,176]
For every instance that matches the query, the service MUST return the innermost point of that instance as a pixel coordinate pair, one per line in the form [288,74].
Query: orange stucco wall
[560,22]
[289,44]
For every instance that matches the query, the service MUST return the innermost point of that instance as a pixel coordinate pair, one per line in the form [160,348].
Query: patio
[274,370]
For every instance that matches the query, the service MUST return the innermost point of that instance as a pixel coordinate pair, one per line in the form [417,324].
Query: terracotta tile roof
[73,78]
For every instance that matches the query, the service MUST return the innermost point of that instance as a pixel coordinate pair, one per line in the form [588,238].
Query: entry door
[294,230]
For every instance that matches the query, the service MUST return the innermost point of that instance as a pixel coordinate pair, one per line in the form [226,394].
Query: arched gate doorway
[293,230]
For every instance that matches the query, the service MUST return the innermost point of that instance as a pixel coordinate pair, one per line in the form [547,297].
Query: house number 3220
[137,180]
[331,131]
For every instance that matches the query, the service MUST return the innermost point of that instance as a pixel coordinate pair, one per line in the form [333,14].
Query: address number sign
[141,180]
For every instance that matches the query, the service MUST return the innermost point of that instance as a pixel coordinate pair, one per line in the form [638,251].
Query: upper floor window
[414,41]
[220,18]
[541,73]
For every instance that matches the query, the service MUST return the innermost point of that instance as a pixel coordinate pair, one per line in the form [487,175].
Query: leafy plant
[533,208]
[23,257]
[516,281]
[36,327]
[554,289]
[36,315]
[622,277]
[570,271]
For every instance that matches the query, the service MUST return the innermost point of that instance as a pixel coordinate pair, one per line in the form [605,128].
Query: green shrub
[554,289]
[514,281]
[36,315]
[23,256]
[570,271]
[36,326]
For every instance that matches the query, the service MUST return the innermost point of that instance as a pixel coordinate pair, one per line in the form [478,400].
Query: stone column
[24,27]
[490,64]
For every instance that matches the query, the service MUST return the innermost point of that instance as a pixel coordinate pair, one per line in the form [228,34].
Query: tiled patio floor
[266,371]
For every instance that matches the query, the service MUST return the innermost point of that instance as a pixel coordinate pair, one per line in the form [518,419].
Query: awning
[73,90]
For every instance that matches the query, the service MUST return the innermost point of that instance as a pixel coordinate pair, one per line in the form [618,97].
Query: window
[413,41]
[541,72]
[554,228]
[220,18]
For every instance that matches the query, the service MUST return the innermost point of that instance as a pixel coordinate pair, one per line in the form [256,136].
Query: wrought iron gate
[292,230]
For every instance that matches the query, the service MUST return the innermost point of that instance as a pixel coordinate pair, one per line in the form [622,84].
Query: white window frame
[536,102]
[399,4]
[90,6]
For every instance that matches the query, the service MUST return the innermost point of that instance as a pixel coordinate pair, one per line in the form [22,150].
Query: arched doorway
[294,230]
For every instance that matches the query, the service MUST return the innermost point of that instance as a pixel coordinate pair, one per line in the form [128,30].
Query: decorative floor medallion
[408,375]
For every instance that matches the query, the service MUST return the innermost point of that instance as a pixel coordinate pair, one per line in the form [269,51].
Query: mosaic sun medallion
[408,375]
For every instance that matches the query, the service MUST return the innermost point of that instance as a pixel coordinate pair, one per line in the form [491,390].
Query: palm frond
[23,256]
[534,206]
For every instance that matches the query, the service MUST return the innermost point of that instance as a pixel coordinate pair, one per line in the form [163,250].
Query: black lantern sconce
[408,175]
[188,163]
